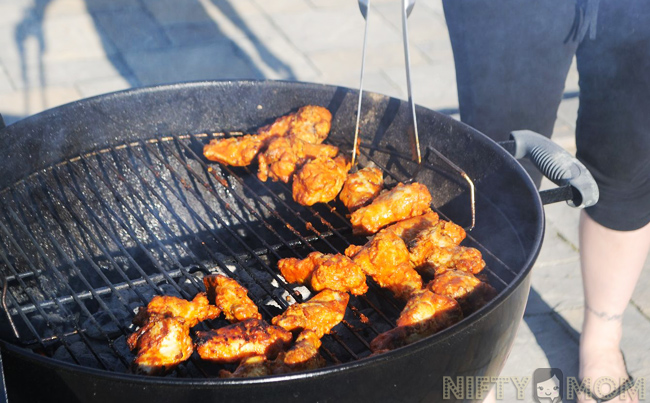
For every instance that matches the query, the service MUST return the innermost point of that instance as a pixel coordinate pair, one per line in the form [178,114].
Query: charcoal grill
[108,201]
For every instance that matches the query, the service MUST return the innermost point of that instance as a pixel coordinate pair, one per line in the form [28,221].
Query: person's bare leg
[611,264]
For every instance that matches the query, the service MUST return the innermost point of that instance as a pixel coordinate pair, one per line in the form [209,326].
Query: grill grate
[87,241]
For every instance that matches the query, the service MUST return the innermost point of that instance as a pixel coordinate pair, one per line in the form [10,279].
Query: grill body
[509,230]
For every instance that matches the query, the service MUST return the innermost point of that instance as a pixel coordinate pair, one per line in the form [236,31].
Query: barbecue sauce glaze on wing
[399,203]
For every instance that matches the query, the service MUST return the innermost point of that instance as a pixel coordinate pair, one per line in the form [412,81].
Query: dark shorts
[512,58]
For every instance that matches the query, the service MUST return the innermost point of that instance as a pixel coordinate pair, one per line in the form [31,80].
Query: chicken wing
[385,258]
[235,151]
[320,314]
[462,258]
[285,154]
[304,354]
[320,180]
[470,292]
[250,367]
[300,270]
[334,272]
[311,124]
[231,298]
[399,203]
[408,229]
[425,313]
[189,312]
[162,344]
[444,234]
[361,187]
[241,340]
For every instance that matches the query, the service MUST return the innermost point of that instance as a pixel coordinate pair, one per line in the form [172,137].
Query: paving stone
[5,82]
[216,61]
[641,296]
[281,6]
[324,29]
[63,73]
[337,4]
[436,49]
[177,11]
[540,343]
[28,102]
[57,8]
[342,62]
[236,9]
[192,34]
[560,285]
[564,218]
[571,84]
[56,39]
[105,5]
[12,13]
[434,85]
[135,30]
[253,27]
[102,86]
[423,23]
[555,248]
[374,81]
[634,344]
[276,58]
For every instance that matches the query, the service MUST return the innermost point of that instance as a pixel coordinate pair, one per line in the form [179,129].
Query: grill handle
[576,185]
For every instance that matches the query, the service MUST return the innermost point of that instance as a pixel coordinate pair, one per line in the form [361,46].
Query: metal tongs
[407,7]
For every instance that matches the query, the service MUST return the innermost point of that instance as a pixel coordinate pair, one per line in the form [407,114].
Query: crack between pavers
[287,38]
[565,239]
[638,308]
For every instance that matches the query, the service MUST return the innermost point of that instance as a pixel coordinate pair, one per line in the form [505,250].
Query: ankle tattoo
[605,315]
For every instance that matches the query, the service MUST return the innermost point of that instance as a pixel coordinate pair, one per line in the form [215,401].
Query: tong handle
[557,165]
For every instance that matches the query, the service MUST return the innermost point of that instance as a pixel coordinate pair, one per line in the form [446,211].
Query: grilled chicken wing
[250,367]
[444,234]
[285,154]
[425,314]
[399,203]
[311,124]
[470,292]
[190,312]
[241,340]
[231,298]
[299,270]
[301,356]
[320,314]
[462,258]
[361,187]
[408,229]
[334,272]
[235,151]
[162,344]
[320,180]
[386,259]
[304,354]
